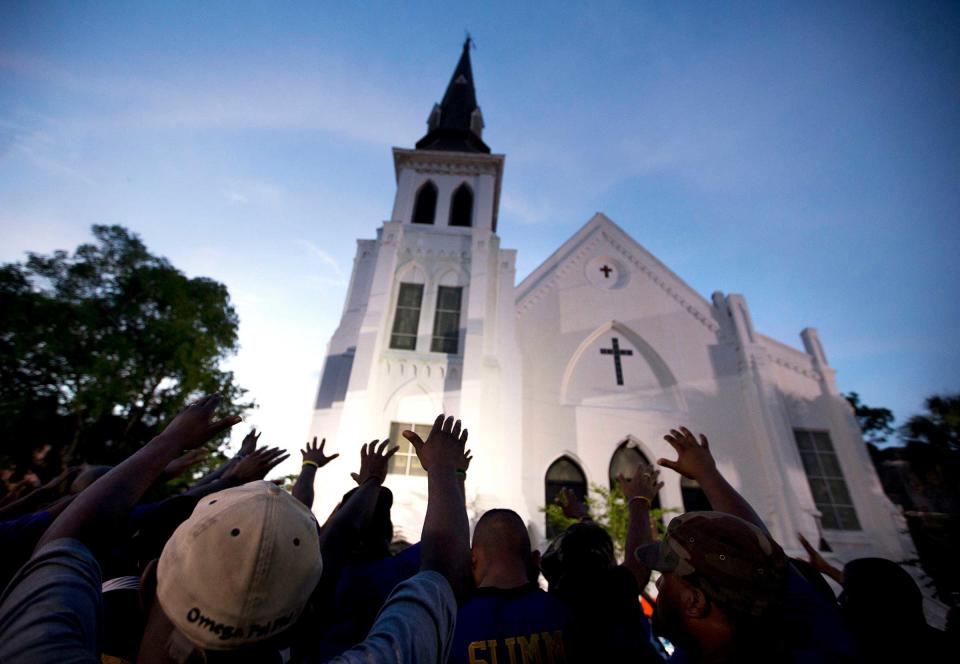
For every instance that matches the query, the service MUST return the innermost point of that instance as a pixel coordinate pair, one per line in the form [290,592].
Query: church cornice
[448,163]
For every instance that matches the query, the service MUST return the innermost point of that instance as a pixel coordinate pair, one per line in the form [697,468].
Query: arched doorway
[564,473]
[624,461]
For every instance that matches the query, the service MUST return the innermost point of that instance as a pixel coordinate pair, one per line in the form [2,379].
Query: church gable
[610,258]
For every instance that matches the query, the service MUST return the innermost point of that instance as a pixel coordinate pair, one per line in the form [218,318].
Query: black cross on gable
[617,352]
[606,269]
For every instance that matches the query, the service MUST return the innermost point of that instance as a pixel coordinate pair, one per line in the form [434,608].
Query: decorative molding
[447,168]
[795,367]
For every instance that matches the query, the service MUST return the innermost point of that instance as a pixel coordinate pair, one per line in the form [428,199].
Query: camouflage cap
[733,562]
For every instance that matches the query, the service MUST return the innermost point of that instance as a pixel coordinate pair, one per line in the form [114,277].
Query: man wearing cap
[727,592]
[721,587]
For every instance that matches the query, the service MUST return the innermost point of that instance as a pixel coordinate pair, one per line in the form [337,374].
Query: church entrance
[625,461]
[564,473]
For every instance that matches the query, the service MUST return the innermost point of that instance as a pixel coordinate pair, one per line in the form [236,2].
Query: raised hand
[443,447]
[693,458]
[465,463]
[192,427]
[249,443]
[182,464]
[315,455]
[571,505]
[374,461]
[820,563]
[255,466]
[643,484]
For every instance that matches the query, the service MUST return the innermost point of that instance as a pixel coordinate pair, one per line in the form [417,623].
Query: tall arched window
[564,473]
[425,207]
[461,207]
[625,461]
[694,499]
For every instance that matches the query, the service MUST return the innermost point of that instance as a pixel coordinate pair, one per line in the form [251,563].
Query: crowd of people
[236,568]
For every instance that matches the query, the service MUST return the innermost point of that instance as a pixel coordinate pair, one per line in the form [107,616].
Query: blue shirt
[521,624]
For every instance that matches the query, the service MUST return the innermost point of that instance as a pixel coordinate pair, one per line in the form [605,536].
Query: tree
[939,427]
[99,348]
[875,423]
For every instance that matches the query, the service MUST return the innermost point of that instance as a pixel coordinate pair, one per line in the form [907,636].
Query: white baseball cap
[241,568]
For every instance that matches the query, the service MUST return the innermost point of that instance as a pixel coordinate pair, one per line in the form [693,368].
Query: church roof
[456,124]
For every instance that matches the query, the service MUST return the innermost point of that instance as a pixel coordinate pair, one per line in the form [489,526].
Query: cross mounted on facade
[606,269]
[617,352]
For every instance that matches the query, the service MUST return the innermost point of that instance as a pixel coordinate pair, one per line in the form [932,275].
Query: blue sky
[805,156]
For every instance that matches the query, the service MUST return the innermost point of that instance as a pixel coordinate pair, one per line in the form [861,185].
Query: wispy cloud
[524,209]
[324,257]
[253,192]
[325,98]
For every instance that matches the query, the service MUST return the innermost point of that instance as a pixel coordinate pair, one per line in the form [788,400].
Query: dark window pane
[461,207]
[830,465]
[822,442]
[829,519]
[848,518]
[810,463]
[565,470]
[407,319]
[425,207]
[446,323]
[410,295]
[819,490]
[448,298]
[838,489]
[403,342]
[803,440]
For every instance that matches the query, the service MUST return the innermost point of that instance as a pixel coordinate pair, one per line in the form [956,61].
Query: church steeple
[456,124]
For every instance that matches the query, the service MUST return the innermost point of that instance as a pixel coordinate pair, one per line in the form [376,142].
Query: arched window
[694,499]
[461,207]
[625,461]
[425,207]
[564,473]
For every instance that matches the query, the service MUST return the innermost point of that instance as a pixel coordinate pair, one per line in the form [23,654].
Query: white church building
[576,372]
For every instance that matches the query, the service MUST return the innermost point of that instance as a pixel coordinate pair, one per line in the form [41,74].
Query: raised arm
[445,541]
[354,514]
[694,461]
[820,563]
[639,492]
[97,510]
[313,458]
[41,496]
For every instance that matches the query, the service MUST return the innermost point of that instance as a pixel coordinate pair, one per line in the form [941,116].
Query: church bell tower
[428,325]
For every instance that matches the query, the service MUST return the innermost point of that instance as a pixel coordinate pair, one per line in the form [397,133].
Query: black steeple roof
[455,124]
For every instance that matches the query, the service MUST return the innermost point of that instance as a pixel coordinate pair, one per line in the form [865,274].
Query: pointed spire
[456,124]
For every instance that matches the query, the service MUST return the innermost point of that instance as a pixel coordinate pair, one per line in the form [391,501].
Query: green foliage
[98,349]
[875,423]
[608,508]
[939,427]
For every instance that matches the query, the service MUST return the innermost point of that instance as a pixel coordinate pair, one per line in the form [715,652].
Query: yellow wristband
[311,463]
